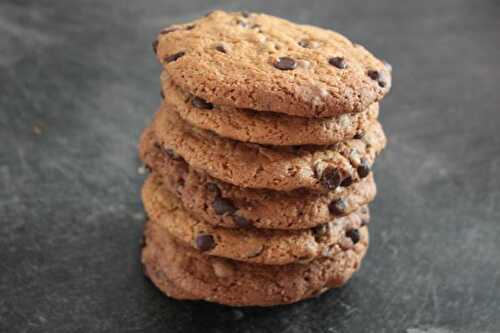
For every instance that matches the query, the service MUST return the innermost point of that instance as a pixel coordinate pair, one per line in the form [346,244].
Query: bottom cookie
[184,273]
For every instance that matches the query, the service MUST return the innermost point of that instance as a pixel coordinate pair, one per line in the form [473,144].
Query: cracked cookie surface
[270,247]
[268,128]
[281,168]
[226,205]
[265,63]
[198,276]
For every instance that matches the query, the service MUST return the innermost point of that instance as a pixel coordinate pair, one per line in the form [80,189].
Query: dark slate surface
[78,83]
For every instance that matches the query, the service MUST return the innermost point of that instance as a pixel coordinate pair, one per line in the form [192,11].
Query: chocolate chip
[374,75]
[200,103]
[377,76]
[359,136]
[338,62]
[190,27]
[241,222]
[354,235]
[363,168]
[148,168]
[162,94]
[155,46]
[285,63]
[221,48]
[223,206]
[347,181]
[172,154]
[169,30]
[173,57]
[245,14]
[205,242]
[308,44]
[330,178]
[212,187]
[320,231]
[337,207]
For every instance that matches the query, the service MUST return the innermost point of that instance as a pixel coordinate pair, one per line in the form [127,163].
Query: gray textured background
[78,82]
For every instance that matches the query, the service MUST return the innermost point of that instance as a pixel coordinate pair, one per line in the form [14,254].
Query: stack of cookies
[260,157]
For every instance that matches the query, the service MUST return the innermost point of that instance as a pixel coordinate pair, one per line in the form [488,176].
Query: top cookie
[266,63]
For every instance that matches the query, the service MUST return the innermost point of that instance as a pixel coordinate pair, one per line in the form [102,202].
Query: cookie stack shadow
[260,157]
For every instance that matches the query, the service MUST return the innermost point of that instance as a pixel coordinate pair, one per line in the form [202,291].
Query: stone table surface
[78,83]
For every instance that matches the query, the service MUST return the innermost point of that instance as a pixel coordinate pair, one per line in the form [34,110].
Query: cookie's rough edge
[243,284]
[262,246]
[267,128]
[250,204]
[256,166]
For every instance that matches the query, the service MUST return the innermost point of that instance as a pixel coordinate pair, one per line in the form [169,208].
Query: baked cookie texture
[267,128]
[226,205]
[265,63]
[281,168]
[272,247]
[185,273]
[260,158]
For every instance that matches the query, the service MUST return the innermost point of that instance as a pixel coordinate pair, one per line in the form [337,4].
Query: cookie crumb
[37,130]
[141,170]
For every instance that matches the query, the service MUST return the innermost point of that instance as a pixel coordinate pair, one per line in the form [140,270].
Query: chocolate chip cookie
[183,272]
[226,205]
[281,168]
[271,247]
[268,128]
[265,63]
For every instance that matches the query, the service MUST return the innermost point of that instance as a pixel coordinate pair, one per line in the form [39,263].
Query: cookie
[226,205]
[271,247]
[265,127]
[230,282]
[281,168]
[266,63]
[167,286]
